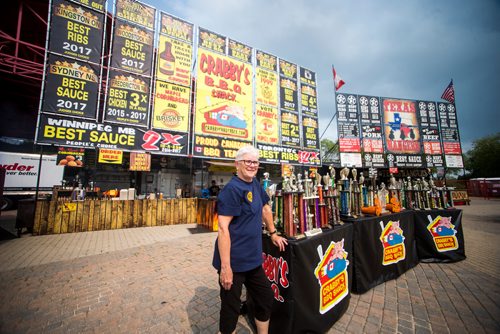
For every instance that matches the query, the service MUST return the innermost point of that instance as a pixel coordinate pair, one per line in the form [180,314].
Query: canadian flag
[337,79]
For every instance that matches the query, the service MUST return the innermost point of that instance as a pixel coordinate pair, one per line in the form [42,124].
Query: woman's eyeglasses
[250,162]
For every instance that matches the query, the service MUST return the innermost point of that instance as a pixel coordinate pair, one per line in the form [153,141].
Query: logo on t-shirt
[250,196]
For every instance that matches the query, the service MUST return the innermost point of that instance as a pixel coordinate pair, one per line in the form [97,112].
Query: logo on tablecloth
[443,233]
[331,273]
[392,239]
[276,270]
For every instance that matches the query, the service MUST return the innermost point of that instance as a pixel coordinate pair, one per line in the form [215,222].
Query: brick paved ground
[159,280]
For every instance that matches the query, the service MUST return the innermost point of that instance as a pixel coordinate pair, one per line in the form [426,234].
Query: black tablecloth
[384,248]
[311,280]
[439,235]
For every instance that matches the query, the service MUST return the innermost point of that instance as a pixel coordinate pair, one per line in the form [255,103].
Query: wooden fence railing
[93,215]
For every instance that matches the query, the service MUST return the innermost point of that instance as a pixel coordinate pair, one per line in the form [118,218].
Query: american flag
[338,82]
[449,93]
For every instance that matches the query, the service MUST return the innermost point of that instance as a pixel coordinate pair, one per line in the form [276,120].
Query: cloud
[402,49]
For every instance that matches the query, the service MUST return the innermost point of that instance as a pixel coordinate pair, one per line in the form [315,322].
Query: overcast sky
[391,48]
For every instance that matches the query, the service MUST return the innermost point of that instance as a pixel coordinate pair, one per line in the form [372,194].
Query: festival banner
[175,50]
[127,99]
[288,155]
[371,131]
[216,147]
[69,156]
[239,51]
[174,61]
[136,12]
[266,61]
[308,100]
[288,86]
[99,5]
[402,133]
[76,31]
[290,129]
[223,97]
[71,87]
[63,131]
[431,136]
[450,135]
[266,124]
[211,41]
[176,27]
[266,79]
[266,87]
[140,162]
[348,124]
[132,48]
[171,107]
[310,132]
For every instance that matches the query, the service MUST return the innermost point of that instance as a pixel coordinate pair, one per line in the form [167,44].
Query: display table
[439,235]
[311,280]
[384,248]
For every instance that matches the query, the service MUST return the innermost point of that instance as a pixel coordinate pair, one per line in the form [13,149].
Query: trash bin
[25,215]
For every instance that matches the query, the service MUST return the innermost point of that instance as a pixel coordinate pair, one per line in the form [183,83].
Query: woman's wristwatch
[273,232]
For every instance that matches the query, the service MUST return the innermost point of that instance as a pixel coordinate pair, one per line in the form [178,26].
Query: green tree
[483,160]
[329,151]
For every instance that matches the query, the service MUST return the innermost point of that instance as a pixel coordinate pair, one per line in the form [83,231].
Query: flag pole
[335,98]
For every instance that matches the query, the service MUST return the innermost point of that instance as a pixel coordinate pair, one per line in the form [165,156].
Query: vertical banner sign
[402,133]
[128,99]
[172,102]
[266,90]
[71,87]
[212,41]
[76,31]
[175,51]
[431,138]
[132,48]
[450,135]
[290,132]
[348,130]
[266,85]
[266,124]
[171,107]
[224,96]
[136,12]
[371,131]
[309,109]
[308,101]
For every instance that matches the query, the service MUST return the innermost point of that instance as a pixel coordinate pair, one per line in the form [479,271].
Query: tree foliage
[483,160]
[329,151]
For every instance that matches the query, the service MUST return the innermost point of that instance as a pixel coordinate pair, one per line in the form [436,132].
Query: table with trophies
[351,234]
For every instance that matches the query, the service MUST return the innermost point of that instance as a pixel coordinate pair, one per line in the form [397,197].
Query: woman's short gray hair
[247,150]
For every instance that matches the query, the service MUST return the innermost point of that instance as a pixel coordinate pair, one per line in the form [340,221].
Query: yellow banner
[266,87]
[171,107]
[175,60]
[266,124]
[223,96]
[108,156]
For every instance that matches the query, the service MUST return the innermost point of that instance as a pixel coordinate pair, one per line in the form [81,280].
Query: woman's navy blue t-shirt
[243,201]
